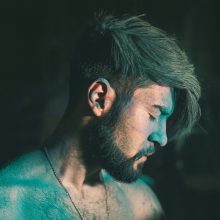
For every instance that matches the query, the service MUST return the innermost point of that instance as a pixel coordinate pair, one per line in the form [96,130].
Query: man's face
[128,134]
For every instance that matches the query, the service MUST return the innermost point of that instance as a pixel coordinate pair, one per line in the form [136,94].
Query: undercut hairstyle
[128,51]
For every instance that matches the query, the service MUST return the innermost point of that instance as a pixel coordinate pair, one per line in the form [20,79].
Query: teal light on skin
[29,189]
[28,192]
[144,121]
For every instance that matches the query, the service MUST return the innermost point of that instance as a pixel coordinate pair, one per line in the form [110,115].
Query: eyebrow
[164,110]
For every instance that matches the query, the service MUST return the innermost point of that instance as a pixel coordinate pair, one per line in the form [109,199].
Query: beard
[98,145]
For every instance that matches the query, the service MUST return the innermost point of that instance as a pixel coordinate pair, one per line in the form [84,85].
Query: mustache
[144,152]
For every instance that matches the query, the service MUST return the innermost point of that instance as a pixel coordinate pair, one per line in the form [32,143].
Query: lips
[149,151]
[139,163]
[146,152]
[142,159]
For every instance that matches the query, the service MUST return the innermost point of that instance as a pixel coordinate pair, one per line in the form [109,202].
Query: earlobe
[100,97]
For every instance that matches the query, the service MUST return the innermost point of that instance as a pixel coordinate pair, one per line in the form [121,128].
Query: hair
[128,51]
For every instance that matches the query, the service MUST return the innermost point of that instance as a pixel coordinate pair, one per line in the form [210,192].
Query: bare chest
[105,203]
[53,203]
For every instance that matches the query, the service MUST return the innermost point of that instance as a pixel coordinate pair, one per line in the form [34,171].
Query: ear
[100,97]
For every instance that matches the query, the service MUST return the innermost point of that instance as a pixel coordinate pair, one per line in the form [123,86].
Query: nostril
[159,139]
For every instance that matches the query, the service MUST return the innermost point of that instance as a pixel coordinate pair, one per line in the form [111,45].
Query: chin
[126,177]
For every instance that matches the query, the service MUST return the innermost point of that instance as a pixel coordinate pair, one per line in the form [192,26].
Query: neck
[67,160]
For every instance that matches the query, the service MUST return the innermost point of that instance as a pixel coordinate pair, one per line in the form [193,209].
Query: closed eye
[152,117]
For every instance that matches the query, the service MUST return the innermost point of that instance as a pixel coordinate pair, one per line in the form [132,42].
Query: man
[131,87]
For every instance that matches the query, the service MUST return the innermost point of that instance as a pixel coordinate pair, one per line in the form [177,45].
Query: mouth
[138,164]
[145,153]
[142,159]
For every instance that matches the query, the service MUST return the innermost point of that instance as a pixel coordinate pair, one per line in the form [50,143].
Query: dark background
[36,40]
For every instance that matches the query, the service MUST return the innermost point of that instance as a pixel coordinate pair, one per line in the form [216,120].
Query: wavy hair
[128,51]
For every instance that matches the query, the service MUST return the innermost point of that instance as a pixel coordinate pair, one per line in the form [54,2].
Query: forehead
[155,94]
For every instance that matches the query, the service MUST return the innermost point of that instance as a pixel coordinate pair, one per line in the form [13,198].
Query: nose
[159,135]
[159,139]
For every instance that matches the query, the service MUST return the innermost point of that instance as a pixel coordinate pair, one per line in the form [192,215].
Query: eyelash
[153,118]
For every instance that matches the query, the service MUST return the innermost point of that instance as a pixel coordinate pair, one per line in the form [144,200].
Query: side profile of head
[140,89]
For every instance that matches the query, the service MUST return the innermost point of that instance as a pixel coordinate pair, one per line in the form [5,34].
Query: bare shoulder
[27,190]
[16,180]
[145,204]
[25,166]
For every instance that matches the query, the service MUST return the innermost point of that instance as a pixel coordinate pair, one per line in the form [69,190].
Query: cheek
[133,131]
[138,123]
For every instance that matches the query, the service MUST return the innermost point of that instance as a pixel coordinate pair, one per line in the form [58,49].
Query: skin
[141,126]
